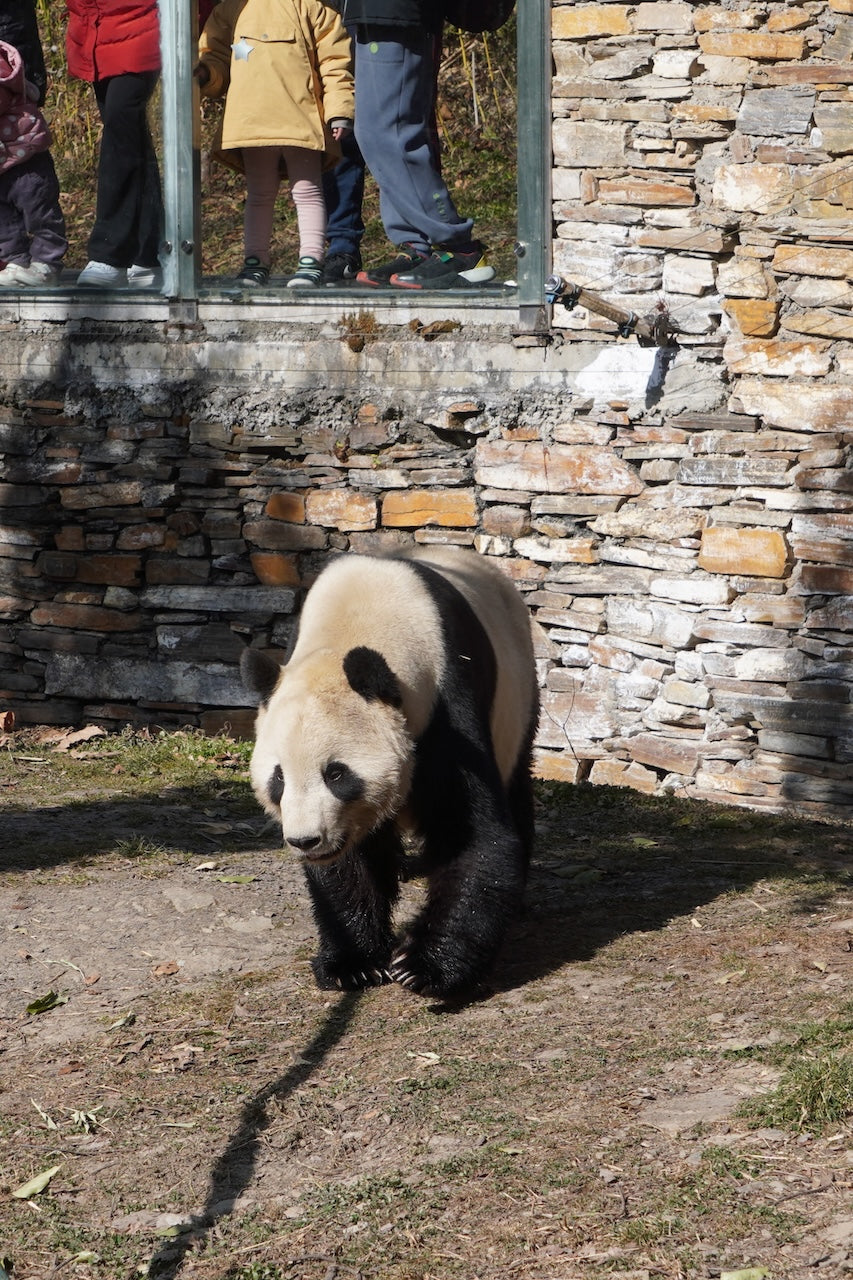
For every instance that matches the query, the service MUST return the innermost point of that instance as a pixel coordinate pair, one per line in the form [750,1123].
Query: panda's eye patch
[275,786]
[343,783]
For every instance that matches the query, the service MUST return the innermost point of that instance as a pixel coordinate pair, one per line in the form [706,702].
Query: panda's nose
[305,844]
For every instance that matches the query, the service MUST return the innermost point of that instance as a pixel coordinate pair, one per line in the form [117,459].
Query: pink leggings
[263,177]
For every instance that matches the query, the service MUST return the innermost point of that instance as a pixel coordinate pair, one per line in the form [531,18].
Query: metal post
[534,160]
[180,249]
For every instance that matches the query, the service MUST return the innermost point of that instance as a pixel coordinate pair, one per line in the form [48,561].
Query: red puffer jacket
[108,37]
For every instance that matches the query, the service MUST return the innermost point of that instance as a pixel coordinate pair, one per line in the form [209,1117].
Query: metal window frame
[181,248]
[534,160]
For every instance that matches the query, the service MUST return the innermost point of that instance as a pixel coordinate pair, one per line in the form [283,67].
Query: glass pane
[476,124]
[479,124]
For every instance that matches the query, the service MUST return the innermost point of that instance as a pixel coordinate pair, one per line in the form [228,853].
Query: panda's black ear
[371,677]
[259,672]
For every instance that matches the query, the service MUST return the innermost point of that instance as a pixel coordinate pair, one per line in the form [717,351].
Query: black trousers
[129,212]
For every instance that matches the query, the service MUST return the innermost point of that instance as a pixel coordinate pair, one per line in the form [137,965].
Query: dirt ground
[209,1114]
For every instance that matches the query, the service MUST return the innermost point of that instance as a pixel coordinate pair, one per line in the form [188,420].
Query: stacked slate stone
[703,160]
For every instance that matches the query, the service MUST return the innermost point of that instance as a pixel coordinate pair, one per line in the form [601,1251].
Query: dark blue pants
[129,212]
[343,189]
[394,102]
[32,227]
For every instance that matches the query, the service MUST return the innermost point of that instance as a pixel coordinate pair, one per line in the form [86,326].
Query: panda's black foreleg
[352,900]
[475,887]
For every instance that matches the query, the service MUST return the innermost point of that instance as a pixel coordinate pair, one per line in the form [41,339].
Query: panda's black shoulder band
[370,676]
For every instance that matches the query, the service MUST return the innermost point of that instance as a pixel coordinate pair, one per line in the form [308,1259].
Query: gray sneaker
[100,275]
[38,275]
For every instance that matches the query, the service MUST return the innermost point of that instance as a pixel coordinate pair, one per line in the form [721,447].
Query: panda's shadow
[234,1168]
[609,863]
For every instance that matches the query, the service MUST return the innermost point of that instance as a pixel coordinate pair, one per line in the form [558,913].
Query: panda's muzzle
[312,849]
[305,844]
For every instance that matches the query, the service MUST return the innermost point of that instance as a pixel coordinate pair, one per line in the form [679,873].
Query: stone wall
[703,163]
[679,520]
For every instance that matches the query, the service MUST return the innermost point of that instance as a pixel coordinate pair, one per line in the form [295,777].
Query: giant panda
[407,708]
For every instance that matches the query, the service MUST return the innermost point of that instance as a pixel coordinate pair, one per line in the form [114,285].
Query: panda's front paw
[337,975]
[413,967]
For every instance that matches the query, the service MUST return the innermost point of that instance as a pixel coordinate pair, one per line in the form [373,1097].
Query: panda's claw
[410,979]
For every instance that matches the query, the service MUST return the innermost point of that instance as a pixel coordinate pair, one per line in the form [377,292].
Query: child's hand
[340,128]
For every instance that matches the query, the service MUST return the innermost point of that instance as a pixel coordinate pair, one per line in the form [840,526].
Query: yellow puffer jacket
[286,68]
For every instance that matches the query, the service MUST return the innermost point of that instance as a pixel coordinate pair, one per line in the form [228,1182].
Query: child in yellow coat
[285,66]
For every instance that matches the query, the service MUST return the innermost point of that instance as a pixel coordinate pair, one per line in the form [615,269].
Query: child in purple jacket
[32,228]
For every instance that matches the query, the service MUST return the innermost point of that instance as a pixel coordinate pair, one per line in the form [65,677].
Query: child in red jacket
[32,228]
[115,45]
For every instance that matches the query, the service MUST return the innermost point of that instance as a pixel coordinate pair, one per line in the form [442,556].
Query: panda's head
[333,757]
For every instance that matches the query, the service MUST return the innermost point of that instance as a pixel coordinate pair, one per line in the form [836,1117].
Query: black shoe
[341,268]
[253,272]
[444,269]
[406,261]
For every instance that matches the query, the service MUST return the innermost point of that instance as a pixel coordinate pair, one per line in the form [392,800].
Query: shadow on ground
[234,1168]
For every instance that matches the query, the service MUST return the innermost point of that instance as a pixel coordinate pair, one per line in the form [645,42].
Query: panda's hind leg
[353,900]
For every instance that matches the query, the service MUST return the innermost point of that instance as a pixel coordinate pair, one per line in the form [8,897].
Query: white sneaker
[37,275]
[143,277]
[100,275]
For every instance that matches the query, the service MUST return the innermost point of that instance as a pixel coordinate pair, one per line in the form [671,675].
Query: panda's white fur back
[378,602]
[381,602]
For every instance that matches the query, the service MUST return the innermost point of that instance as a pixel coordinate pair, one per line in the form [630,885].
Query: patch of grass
[651,1230]
[813,1037]
[370,1199]
[63,1235]
[153,757]
[134,848]
[812,1095]
[691,1206]
[255,1271]
[720,1162]
[147,752]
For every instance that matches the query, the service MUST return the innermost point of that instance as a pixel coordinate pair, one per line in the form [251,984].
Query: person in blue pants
[395,53]
[343,190]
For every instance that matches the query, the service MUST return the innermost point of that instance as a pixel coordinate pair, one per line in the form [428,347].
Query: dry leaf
[165,969]
[35,1185]
[69,740]
[729,977]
